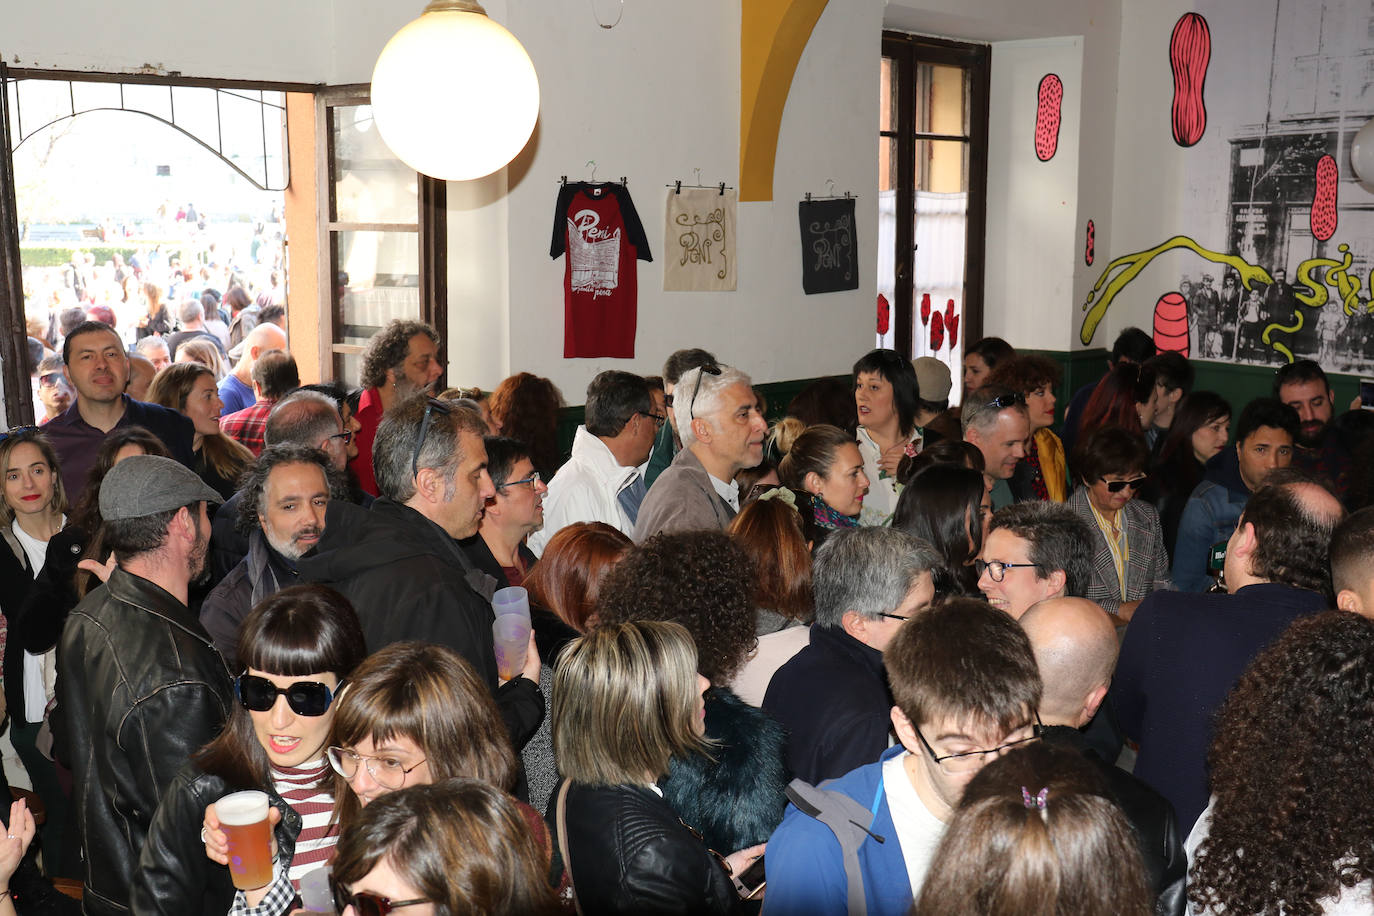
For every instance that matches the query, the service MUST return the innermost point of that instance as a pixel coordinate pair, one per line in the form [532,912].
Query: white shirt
[726,491]
[585,489]
[918,831]
[1354,901]
[881,500]
[40,671]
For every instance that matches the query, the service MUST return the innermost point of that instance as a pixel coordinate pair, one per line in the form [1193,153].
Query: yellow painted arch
[773,34]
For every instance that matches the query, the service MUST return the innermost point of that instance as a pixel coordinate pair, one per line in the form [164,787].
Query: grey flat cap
[142,485]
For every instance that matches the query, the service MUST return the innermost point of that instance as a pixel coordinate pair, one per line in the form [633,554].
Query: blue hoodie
[1210,516]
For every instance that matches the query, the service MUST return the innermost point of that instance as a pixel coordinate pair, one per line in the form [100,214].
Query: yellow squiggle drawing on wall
[1335,274]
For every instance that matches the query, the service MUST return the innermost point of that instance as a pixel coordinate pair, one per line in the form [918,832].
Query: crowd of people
[885,655]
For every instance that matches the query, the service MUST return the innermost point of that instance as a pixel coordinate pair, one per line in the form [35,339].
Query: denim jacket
[1210,516]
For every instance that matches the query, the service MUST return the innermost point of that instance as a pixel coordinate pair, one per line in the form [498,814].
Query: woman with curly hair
[189,389]
[526,407]
[703,580]
[1290,827]
[1043,473]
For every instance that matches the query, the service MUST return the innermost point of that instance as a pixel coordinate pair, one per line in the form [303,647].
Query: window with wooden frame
[932,170]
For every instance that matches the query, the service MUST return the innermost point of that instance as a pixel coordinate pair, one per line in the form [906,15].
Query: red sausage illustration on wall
[1048,103]
[1171,323]
[1190,50]
[1090,249]
[1324,199]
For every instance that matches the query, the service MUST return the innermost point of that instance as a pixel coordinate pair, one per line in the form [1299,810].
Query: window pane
[887,163]
[370,184]
[941,229]
[887,95]
[378,280]
[942,99]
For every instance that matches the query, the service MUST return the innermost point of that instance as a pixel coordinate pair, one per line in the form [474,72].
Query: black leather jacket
[175,877]
[630,854]
[142,688]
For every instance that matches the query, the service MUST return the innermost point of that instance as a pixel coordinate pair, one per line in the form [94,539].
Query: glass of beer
[243,818]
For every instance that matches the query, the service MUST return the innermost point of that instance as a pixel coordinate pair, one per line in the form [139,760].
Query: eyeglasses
[658,418]
[708,369]
[367,904]
[306,698]
[893,616]
[346,436]
[1116,486]
[52,380]
[17,431]
[532,480]
[431,405]
[389,772]
[974,760]
[997,570]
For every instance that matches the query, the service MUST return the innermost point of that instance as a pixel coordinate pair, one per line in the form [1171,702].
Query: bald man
[236,391]
[141,372]
[1075,647]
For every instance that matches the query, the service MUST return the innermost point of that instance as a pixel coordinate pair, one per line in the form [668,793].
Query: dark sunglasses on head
[1116,486]
[708,369]
[431,405]
[306,698]
[365,904]
[1007,400]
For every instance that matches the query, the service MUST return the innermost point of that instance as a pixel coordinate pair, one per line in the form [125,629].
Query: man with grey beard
[282,511]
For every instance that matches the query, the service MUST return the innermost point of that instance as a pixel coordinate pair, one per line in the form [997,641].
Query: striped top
[300,787]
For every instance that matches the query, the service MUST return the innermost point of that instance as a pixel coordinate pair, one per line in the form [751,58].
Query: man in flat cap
[141,685]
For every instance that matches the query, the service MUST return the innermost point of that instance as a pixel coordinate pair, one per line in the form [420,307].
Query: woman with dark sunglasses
[454,847]
[1129,562]
[298,647]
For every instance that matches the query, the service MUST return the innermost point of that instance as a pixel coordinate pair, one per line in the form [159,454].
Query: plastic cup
[511,635]
[243,818]
[511,600]
[316,895]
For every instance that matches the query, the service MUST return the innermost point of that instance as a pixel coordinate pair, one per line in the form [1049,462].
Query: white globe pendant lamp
[454,94]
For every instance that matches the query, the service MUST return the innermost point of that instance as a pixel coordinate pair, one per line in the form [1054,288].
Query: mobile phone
[1367,393]
[751,881]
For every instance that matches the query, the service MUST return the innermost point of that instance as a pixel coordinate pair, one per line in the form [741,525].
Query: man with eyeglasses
[517,510]
[831,696]
[1183,652]
[1034,551]
[966,688]
[142,688]
[1075,645]
[400,563]
[274,377]
[306,418]
[997,421]
[722,432]
[53,391]
[601,481]
[285,496]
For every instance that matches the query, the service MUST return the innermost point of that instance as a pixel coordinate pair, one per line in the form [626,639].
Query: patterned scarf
[827,517]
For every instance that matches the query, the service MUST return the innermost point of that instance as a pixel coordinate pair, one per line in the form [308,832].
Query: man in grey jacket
[722,432]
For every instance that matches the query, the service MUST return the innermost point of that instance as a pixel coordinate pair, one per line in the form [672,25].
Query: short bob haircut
[770,532]
[962,659]
[624,702]
[298,631]
[58,503]
[430,695]
[461,844]
[906,390]
[1078,855]
[1109,450]
[1058,539]
[812,452]
[567,579]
